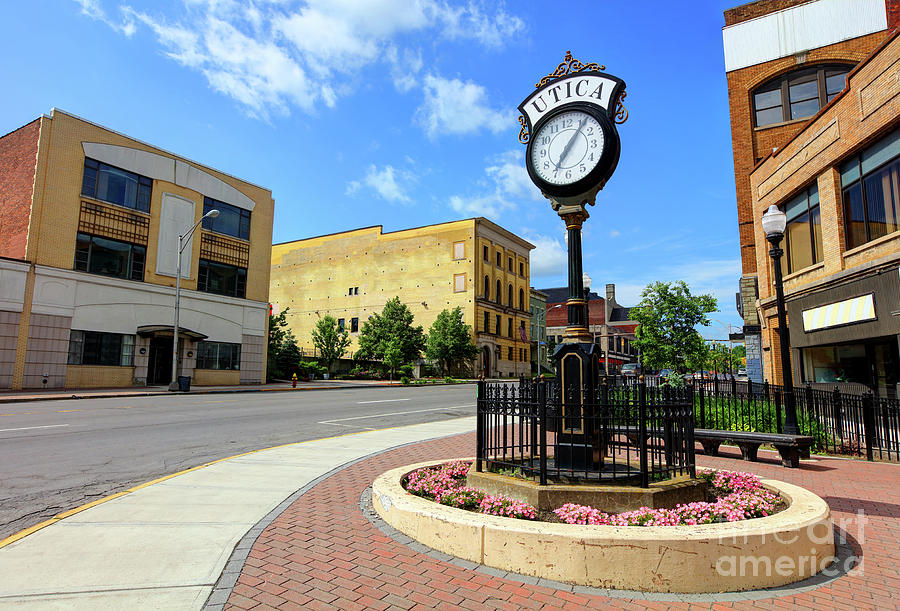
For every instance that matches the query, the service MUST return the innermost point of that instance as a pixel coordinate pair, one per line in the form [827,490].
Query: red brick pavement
[323,553]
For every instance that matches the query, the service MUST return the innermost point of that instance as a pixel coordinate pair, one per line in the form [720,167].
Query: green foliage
[394,322]
[449,380]
[405,370]
[450,339]
[330,340]
[306,369]
[282,353]
[404,380]
[721,358]
[393,357]
[667,317]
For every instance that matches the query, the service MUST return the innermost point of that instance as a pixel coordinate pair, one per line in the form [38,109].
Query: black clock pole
[579,446]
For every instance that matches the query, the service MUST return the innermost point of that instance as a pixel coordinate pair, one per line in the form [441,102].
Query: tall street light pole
[182,242]
[774,222]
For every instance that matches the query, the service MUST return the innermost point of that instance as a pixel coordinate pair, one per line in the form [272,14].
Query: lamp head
[586,281]
[774,221]
[211,214]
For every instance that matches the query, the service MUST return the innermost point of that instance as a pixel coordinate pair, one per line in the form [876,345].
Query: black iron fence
[608,432]
[840,422]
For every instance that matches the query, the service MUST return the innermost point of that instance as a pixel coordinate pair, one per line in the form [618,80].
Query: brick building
[785,61]
[814,111]
[473,263]
[608,323]
[89,226]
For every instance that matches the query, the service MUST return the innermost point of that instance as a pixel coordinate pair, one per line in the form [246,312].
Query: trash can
[184,383]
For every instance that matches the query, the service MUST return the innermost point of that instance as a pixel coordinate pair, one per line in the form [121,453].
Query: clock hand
[571,141]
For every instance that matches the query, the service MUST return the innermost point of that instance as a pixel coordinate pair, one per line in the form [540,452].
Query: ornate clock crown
[568,66]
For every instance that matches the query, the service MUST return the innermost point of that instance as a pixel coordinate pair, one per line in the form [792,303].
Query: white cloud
[455,107]
[509,173]
[385,183]
[272,56]
[505,182]
[614,233]
[353,187]
[490,205]
[549,257]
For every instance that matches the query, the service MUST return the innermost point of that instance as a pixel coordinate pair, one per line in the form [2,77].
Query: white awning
[845,312]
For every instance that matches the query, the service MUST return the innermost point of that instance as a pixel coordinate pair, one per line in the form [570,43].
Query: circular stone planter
[759,553]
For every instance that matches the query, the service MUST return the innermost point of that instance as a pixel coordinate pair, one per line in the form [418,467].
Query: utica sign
[592,87]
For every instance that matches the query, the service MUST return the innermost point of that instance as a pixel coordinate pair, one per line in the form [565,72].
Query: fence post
[733,386]
[837,415]
[778,410]
[542,415]
[702,407]
[479,425]
[642,434]
[868,407]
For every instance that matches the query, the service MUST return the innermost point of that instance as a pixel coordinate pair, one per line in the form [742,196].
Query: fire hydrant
[294,381]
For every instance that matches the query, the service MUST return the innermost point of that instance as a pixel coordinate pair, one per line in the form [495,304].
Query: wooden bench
[791,447]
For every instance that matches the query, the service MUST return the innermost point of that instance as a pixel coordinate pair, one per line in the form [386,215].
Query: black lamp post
[774,222]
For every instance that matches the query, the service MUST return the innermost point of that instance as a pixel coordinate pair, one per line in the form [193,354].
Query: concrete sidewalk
[164,545]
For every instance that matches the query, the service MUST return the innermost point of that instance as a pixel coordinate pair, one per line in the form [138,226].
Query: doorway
[159,365]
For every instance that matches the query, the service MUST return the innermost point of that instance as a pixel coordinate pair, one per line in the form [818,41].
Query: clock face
[567,147]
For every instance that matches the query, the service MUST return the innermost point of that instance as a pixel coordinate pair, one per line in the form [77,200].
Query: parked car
[705,375]
[665,373]
[631,369]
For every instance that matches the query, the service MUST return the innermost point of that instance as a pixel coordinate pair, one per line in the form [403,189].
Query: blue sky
[403,113]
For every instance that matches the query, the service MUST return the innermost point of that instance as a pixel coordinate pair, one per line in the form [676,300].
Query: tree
[330,340]
[395,322]
[668,316]
[281,348]
[449,339]
[393,356]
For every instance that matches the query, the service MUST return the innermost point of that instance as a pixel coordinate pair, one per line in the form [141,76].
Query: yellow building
[473,263]
[90,222]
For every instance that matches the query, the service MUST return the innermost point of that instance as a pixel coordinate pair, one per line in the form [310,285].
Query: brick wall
[750,144]
[18,158]
[751,10]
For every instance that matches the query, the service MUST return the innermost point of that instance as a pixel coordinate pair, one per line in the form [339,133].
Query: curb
[169,393]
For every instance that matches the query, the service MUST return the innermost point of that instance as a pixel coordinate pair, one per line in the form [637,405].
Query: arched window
[797,94]
[487,287]
[498,297]
[522,299]
[509,294]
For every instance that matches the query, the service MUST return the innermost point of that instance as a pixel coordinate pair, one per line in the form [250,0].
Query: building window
[509,353]
[353,290]
[499,259]
[459,283]
[509,264]
[218,355]
[354,325]
[522,299]
[797,94]
[106,257]
[521,269]
[222,279]
[96,348]
[487,322]
[803,244]
[116,186]
[486,254]
[487,287]
[509,327]
[498,328]
[499,290]
[509,295]
[231,221]
[871,192]
[459,250]
[340,324]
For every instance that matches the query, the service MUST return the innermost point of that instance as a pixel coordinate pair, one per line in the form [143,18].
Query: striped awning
[845,312]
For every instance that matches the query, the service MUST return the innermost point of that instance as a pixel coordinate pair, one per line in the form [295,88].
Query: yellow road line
[124,407]
[65,411]
[24,533]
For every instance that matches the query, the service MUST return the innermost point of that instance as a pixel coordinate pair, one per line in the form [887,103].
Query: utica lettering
[592,88]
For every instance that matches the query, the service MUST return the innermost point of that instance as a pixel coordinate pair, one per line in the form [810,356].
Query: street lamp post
[182,239]
[774,222]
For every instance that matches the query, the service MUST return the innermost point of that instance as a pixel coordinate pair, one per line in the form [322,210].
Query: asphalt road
[57,455]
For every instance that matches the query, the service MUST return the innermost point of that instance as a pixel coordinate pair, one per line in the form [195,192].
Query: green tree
[393,356]
[330,340]
[668,316]
[281,348]
[450,339]
[394,322]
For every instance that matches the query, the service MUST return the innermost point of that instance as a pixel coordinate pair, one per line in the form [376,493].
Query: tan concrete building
[473,263]
[838,180]
[89,226]
[784,60]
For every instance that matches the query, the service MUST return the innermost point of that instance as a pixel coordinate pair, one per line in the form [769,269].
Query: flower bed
[735,496]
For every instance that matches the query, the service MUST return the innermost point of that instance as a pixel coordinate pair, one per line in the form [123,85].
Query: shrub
[506,507]
[462,498]
[449,380]
[404,380]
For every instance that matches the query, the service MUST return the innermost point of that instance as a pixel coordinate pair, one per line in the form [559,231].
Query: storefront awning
[166,331]
[844,312]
